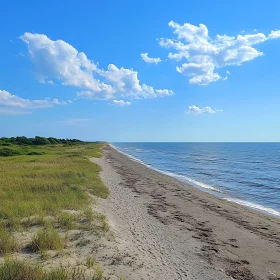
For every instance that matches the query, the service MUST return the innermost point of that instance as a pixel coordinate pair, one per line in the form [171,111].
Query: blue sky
[141,70]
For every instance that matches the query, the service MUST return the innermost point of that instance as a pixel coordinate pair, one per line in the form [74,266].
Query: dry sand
[171,230]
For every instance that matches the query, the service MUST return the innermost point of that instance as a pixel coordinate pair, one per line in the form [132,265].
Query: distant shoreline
[198,233]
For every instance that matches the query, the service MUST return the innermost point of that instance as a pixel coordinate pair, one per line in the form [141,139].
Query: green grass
[37,185]
[89,214]
[66,221]
[8,243]
[19,270]
[46,239]
[15,270]
[16,151]
[47,184]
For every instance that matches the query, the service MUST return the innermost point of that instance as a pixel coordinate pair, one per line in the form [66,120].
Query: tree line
[37,140]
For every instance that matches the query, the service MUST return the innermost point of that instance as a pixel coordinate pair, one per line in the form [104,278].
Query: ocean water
[245,173]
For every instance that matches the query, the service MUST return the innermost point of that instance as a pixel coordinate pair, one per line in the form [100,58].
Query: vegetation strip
[44,186]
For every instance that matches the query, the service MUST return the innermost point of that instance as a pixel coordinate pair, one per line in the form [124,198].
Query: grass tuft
[90,262]
[98,273]
[19,270]
[102,221]
[8,243]
[66,221]
[16,270]
[46,239]
[89,215]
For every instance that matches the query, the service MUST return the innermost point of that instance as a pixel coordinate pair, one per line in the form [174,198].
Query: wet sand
[176,231]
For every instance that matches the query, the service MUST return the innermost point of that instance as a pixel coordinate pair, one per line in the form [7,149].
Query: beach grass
[90,262]
[66,220]
[46,184]
[20,270]
[46,188]
[8,243]
[46,239]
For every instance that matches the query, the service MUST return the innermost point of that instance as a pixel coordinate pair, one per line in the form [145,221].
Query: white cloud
[274,34]
[201,73]
[59,61]
[14,105]
[56,101]
[148,59]
[205,55]
[195,110]
[121,102]
[125,83]
[150,92]
[122,79]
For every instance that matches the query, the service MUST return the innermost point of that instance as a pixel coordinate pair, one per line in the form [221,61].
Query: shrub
[33,153]
[5,144]
[38,140]
[41,141]
[8,152]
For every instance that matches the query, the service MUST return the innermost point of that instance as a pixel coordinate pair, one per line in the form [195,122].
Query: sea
[244,173]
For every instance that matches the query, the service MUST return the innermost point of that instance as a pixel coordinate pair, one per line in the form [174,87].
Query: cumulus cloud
[13,105]
[62,61]
[148,59]
[58,61]
[125,83]
[205,55]
[274,34]
[195,110]
[121,102]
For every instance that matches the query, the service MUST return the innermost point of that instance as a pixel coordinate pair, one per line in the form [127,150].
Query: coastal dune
[176,231]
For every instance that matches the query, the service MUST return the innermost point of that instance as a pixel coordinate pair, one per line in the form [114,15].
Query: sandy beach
[176,231]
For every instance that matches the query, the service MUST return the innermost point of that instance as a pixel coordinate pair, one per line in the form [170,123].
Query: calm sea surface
[246,173]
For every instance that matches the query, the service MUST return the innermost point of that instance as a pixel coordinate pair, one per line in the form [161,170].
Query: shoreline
[180,232]
[206,188]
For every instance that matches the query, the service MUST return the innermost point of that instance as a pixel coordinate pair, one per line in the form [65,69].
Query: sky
[144,71]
